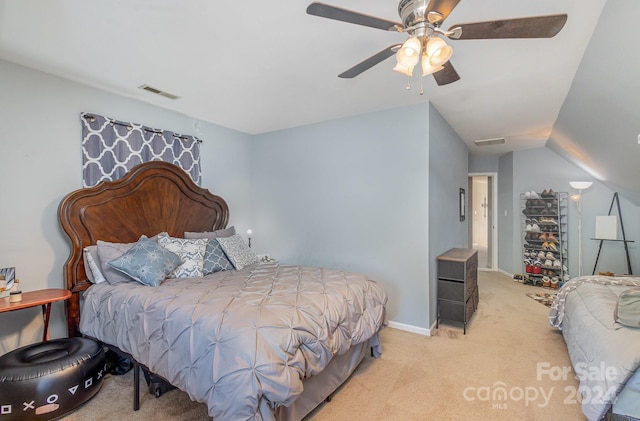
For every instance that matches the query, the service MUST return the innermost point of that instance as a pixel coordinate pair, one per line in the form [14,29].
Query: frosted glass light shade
[438,51]
[409,54]
[407,71]
[580,185]
[427,67]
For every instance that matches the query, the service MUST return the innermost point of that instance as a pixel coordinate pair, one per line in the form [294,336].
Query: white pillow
[91,268]
[191,251]
[239,254]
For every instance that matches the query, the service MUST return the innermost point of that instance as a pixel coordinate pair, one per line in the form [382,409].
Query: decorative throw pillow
[211,235]
[627,311]
[91,267]
[108,252]
[237,251]
[191,251]
[214,259]
[147,262]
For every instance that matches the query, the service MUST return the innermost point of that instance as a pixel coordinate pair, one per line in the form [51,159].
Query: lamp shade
[438,51]
[580,185]
[407,71]
[427,67]
[409,54]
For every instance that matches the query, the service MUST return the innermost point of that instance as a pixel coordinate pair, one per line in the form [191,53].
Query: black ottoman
[48,379]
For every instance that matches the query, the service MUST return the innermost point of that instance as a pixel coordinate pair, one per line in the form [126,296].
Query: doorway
[482,224]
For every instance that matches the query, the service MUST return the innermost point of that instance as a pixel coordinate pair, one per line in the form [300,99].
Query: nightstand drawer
[451,290]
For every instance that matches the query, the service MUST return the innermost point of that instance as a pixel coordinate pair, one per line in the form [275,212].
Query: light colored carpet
[509,346]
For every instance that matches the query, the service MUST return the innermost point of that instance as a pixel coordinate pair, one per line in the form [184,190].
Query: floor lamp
[579,185]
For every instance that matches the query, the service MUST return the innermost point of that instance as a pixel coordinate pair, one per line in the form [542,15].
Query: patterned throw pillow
[214,259]
[191,251]
[237,251]
[147,262]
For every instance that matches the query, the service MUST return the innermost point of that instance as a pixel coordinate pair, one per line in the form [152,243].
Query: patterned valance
[110,148]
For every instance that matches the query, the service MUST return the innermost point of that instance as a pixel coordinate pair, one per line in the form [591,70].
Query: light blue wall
[351,194]
[541,169]
[448,163]
[507,231]
[483,164]
[42,162]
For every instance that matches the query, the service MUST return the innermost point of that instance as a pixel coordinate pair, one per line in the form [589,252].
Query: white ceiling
[258,66]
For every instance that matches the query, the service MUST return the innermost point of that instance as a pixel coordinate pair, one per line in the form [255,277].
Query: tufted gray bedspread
[239,341]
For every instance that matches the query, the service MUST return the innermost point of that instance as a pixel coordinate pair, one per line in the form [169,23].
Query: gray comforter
[239,341]
[604,354]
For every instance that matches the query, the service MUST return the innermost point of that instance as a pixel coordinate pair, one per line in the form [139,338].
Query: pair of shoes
[531,195]
[553,238]
[549,193]
[548,221]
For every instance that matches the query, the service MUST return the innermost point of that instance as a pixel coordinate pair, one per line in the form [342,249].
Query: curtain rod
[92,118]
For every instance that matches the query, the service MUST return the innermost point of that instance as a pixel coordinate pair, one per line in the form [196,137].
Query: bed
[605,353]
[268,341]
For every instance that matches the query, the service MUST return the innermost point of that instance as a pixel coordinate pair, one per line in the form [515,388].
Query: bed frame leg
[136,385]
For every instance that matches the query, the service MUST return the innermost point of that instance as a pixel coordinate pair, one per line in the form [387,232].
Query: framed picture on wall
[9,275]
[462,205]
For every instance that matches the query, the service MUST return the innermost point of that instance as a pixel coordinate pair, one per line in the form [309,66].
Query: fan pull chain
[408,87]
[421,89]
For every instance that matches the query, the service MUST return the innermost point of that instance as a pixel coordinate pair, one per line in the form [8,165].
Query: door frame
[494,216]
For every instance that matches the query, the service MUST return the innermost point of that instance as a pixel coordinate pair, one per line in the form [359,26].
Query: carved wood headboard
[151,198]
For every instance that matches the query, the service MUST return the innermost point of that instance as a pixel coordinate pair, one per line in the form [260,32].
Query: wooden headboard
[151,198]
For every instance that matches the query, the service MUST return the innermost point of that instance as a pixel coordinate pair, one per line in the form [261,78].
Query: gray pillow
[210,235]
[147,262]
[239,254]
[627,311]
[108,252]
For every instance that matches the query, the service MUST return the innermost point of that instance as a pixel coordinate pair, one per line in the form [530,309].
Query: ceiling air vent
[487,142]
[158,91]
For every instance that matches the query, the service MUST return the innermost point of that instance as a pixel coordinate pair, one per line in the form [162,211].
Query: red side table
[43,297]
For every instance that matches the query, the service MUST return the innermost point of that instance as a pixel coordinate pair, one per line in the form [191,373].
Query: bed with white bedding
[268,341]
[605,354]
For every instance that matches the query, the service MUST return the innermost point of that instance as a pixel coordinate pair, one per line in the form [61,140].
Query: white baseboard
[411,328]
[504,272]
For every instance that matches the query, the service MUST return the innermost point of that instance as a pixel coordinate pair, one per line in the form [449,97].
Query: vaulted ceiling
[258,66]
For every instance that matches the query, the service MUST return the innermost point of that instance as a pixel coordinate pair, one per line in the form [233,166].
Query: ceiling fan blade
[370,62]
[447,75]
[533,27]
[344,15]
[444,7]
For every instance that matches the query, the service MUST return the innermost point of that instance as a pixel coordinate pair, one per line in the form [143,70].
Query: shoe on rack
[548,263]
[542,236]
[534,195]
[555,283]
[552,238]
[551,193]
[541,255]
[528,228]
[546,281]
[527,195]
[537,270]
[552,246]
[550,255]
[557,264]
[535,228]
[544,193]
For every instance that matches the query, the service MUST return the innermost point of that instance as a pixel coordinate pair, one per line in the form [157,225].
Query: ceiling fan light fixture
[427,67]
[438,51]
[405,70]
[409,53]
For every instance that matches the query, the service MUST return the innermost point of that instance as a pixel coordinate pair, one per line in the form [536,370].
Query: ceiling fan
[422,21]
